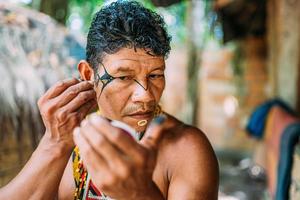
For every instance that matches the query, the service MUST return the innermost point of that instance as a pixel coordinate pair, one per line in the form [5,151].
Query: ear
[85,70]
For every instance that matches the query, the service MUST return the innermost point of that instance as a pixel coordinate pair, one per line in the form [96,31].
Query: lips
[141,115]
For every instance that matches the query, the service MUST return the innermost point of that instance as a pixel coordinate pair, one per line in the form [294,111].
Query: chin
[134,123]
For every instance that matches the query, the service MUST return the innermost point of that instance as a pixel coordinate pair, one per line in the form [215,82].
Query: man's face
[135,90]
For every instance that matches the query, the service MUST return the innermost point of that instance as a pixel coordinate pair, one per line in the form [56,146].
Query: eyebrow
[124,69]
[128,69]
[162,67]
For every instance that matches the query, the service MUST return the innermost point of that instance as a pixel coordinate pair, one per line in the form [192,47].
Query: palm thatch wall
[35,52]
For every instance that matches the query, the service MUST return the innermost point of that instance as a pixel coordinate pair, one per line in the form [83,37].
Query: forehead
[131,58]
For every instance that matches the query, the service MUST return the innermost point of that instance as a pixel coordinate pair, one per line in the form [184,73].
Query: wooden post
[284,48]
[193,63]
[298,88]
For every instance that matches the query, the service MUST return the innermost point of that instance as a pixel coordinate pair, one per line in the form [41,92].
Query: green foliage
[148,4]
[85,10]
[174,15]
[212,26]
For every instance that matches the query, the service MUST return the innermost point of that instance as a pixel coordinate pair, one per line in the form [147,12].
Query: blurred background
[233,72]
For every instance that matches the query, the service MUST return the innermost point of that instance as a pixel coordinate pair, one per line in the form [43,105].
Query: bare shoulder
[190,161]
[183,138]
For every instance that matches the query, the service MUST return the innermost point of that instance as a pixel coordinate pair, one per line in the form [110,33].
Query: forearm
[40,177]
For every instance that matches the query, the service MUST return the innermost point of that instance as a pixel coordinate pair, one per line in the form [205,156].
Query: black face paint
[141,85]
[105,79]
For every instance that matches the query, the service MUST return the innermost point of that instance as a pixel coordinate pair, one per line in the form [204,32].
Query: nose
[143,84]
[142,92]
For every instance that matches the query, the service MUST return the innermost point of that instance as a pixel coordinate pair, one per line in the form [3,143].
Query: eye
[125,78]
[156,76]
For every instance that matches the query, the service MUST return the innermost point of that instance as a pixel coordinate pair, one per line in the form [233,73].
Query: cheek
[158,90]
[112,102]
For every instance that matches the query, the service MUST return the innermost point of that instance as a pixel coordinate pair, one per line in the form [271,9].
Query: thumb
[154,132]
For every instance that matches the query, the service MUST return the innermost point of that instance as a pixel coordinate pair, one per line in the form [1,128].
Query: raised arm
[62,108]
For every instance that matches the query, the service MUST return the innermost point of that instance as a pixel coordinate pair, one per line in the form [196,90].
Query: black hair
[126,24]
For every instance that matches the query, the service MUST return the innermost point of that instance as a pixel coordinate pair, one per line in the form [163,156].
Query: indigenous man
[123,76]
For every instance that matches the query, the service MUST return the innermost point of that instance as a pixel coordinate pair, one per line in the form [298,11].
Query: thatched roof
[35,52]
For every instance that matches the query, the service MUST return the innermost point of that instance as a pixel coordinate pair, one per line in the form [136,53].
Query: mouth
[141,115]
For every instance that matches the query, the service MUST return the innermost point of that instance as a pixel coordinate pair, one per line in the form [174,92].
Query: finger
[112,155]
[94,108]
[81,99]
[90,106]
[116,136]
[91,159]
[59,87]
[70,93]
[87,108]
[154,132]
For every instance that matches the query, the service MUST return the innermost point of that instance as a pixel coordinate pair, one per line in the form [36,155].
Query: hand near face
[64,106]
[118,165]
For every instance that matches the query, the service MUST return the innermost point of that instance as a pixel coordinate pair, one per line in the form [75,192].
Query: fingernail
[159,119]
